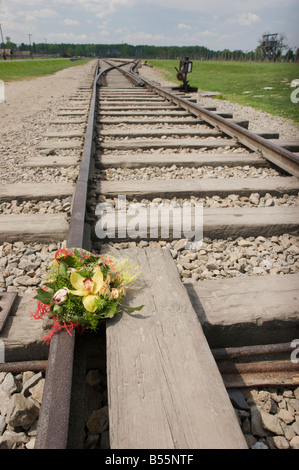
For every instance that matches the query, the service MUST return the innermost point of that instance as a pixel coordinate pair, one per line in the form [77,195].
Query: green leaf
[44,296]
[57,309]
[78,253]
[133,309]
[69,261]
[50,285]
[62,270]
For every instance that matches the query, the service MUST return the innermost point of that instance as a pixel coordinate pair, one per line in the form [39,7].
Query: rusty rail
[262,365]
[56,410]
[61,420]
[245,351]
[23,366]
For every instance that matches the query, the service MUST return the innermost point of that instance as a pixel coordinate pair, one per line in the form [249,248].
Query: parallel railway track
[157,149]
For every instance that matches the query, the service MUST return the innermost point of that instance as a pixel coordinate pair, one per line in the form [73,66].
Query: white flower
[60,296]
[114,294]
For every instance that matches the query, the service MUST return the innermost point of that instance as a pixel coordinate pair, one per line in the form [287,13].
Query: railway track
[149,153]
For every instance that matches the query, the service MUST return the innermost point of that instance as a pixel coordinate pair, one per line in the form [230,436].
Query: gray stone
[27,375]
[93,378]
[9,385]
[37,391]
[11,439]
[257,428]
[2,424]
[31,383]
[98,421]
[254,198]
[288,431]
[271,423]
[91,441]
[180,245]
[238,399]
[288,394]
[250,440]
[2,376]
[30,444]
[281,442]
[295,426]
[212,265]
[269,405]
[22,411]
[259,445]
[4,402]
[294,404]
[294,443]
[26,281]
[286,416]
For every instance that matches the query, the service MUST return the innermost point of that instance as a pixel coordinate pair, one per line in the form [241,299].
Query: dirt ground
[27,98]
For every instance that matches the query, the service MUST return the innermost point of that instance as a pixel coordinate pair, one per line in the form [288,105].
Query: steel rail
[23,366]
[60,421]
[247,351]
[269,364]
[280,156]
[54,419]
[257,374]
[130,75]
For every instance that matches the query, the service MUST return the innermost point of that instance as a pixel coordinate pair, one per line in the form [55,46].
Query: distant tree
[226,54]
[258,53]
[9,44]
[290,55]
[70,51]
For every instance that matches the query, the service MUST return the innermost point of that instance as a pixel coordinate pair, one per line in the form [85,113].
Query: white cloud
[183,26]
[67,37]
[36,15]
[206,33]
[213,23]
[140,37]
[70,22]
[44,13]
[246,19]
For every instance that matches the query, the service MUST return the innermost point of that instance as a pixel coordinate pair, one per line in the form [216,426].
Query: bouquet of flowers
[83,289]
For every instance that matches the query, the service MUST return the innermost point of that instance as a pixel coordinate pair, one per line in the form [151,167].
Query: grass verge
[25,70]
[262,85]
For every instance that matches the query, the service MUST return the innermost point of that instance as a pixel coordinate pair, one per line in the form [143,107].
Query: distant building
[16,53]
[22,53]
[7,51]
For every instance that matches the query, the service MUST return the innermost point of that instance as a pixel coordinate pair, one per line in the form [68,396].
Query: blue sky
[214,24]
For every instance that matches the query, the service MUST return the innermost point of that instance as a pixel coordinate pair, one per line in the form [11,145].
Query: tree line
[125,50]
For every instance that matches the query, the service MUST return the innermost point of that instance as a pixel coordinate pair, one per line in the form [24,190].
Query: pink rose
[60,296]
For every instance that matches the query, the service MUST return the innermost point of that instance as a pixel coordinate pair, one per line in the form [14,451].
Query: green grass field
[264,86]
[25,70]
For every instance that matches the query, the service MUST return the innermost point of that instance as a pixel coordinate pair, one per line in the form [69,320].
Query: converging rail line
[215,317]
